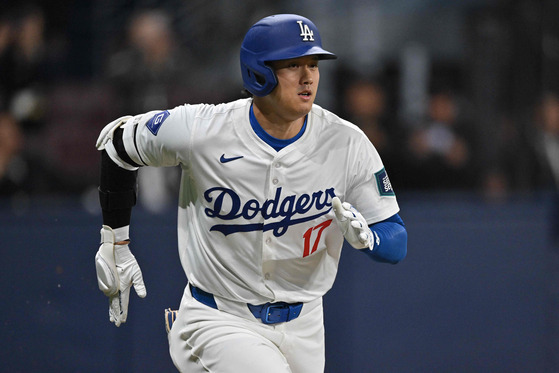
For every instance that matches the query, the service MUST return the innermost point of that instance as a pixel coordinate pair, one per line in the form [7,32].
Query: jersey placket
[269,254]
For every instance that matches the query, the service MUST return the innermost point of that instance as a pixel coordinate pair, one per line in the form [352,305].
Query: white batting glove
[353,225]
[117,270]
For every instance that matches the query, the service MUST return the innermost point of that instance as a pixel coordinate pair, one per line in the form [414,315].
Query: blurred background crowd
[456,95]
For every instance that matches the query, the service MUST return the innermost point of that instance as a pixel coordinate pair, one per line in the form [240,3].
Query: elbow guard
[108,141]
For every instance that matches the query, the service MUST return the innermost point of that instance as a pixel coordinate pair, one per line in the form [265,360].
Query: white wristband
[121,234]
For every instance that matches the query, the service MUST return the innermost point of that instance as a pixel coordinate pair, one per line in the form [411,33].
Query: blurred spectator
[508,162]
[365,104]
[547,146]
[12,169]
[25,62]
[149,74]
[440,150]
[5,44]
[499,151]
[547,136]
[22,173]
[22,67]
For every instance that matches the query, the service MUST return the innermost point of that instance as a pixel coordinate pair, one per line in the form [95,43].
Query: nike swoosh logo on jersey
[223,159]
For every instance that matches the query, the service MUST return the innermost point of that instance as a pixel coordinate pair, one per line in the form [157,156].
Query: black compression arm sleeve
[117,192]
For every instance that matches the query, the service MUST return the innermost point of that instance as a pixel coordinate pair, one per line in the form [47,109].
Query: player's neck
[276,125]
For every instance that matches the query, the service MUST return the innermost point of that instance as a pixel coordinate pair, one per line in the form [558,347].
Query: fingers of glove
[364,237]
[124,297]
[347,206]
[138,281]
[348,215]
[344,210]
[338,208]
[361,241]
[115,311]
[355,215]
[118,307]
[358,236]
[130,274]
[357,224]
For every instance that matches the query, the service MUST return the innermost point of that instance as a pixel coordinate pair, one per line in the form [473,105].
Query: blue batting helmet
[274,38]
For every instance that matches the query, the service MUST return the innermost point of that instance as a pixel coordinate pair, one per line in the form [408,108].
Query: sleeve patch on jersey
[383,183]
[156,121]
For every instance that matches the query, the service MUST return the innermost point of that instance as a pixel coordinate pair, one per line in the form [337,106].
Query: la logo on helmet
[306,32]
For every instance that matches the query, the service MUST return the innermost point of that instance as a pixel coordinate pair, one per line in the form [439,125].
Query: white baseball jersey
[256,225]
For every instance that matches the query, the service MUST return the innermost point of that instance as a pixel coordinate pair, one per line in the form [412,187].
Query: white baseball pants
[203,339]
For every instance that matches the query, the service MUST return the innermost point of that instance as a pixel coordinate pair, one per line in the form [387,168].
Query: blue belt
[269,313]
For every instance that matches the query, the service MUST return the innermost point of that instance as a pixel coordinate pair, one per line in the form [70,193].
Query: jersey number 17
[308,236]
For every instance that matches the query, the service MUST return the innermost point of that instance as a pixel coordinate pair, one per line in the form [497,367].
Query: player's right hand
[117,270]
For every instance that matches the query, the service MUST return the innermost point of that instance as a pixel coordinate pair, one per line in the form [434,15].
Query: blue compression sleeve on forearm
[391,246]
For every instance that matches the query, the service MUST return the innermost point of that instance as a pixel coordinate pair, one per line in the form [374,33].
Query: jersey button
[267,276]
[268,240]
[275,181]
[277,165]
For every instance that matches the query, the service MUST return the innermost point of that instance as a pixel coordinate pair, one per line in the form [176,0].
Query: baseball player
[271,185]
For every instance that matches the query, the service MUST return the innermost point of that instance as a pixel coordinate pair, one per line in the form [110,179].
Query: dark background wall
[477,292]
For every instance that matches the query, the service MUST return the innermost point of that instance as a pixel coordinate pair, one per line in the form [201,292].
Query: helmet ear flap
[259,78]
[260,81]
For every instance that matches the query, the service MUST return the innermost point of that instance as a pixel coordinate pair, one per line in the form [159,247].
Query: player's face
[297,86]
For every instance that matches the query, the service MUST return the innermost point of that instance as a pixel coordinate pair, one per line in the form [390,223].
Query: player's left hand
[117,270]
[353,225]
